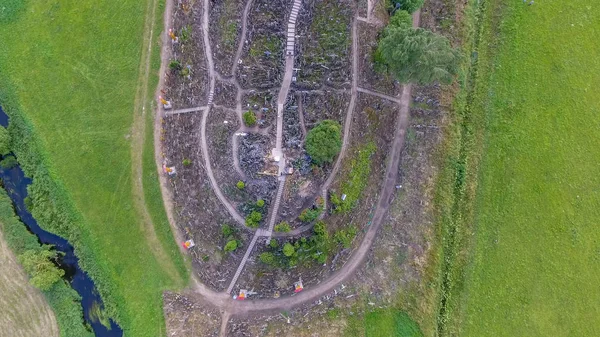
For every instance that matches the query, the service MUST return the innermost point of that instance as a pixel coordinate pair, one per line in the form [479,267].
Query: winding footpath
[222,300]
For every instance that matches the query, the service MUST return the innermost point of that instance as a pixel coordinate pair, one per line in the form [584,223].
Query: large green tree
[43,273]
[324,141]
[418,55]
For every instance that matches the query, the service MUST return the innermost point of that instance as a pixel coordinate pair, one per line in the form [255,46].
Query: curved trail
[222,300]
[212,78]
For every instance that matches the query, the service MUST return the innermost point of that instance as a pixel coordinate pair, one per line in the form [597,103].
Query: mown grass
[535,264]
[69,84]
[382,323]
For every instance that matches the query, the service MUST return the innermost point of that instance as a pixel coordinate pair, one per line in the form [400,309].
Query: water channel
[16,183]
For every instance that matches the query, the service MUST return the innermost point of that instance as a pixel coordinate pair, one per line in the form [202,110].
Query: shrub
[175,65]
[226,230]
[400,19]
[184,34]
[268,258]
[8,162]
[273,243]
[345,237]
[260,203]
[324,141]
[43,273]
[249,118]
[4,141]
[283,227]
[231,246]
[240,185]
[288,249]
[186,162]
[310,214]
[253,219]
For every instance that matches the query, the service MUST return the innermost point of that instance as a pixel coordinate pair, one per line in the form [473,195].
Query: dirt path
[137,149]
[24,311]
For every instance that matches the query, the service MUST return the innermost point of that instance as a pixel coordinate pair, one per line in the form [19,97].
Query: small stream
[16,184]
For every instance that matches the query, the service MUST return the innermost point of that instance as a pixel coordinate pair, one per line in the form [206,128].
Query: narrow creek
[16,183]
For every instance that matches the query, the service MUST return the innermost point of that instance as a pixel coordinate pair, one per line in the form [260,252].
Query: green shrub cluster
[324,141]
[283,227]
[253,219]
[231,237]
[249,118]
[8,162]
[310,214]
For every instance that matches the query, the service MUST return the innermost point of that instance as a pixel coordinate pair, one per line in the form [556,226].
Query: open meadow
[534,267]
[81,74]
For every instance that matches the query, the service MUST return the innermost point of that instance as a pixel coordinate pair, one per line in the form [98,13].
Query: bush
[249,118]
[253,220]
[310,214]
[186,162]
[288,249]
[226,230]
[8,162]
[273,243]
[345,237]
[400,19]
[231,246]
[240,185]
[268,258]
[324,141]
[175,65]
[260,203]
[283,227]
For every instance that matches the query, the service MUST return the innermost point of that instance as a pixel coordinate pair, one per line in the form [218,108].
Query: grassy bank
[527,212]
[64,301]
[68,82]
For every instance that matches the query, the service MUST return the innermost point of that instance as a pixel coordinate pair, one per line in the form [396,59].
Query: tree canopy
[417,55]
[324,141]
[407,5]
[43,273]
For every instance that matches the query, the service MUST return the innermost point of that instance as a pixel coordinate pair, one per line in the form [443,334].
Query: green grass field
[73,68]
[534,268]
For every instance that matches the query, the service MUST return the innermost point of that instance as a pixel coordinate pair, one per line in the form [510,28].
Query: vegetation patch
[356,180]
[324,141]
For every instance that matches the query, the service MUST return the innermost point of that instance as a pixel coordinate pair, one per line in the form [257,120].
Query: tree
[231,246]
[260,203]
[249,118]
[324,141]
[4,141]
[8,162]
[288,249]
[240,185]
[43,273]
[407,5]
[418,55]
